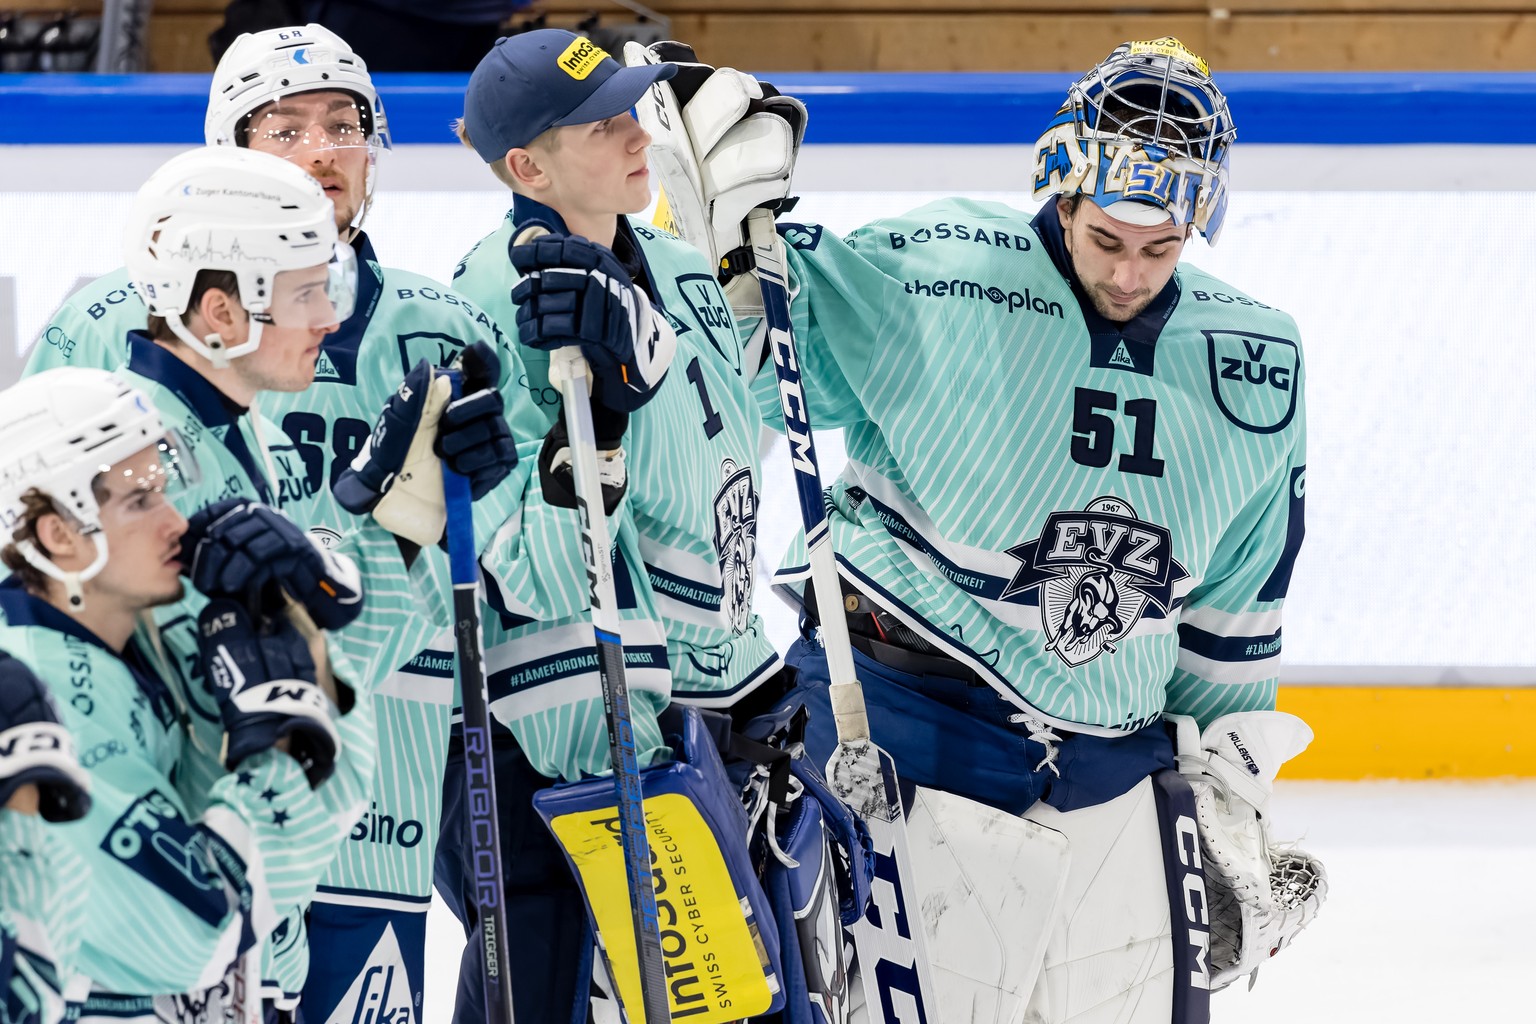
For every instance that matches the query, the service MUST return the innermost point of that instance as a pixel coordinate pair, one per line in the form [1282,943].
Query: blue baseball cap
[535,81]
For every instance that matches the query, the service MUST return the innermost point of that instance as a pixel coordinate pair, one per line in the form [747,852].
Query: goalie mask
[254,215]
[1145,136]
[62,429]
[262,68]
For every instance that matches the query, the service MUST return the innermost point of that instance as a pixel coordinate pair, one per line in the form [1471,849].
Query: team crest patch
[1097,572]
[1253,378]
[709,311]
[736,542]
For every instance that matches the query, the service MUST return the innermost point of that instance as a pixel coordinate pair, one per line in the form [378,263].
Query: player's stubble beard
[1110,311]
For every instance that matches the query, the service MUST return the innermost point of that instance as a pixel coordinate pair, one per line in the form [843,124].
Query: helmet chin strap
[211,347]
[73,581]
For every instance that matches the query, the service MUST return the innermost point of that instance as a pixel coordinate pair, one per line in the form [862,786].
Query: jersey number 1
[1093,432]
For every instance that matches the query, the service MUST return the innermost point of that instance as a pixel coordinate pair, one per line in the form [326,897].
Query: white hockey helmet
[262,67]
[1146,136]
[253,214]
[59,431]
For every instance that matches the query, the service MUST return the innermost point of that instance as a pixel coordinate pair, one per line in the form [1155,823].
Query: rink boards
[1404,256]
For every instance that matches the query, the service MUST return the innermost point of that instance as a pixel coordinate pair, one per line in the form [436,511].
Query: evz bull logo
[1097,572]
[736,542]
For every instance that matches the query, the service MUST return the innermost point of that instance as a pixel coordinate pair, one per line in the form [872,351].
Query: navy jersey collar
[1146,325]
[626,247]
[212,406]
[342,345]
[21,608]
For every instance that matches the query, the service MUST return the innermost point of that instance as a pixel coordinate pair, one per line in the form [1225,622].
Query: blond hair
[548,140]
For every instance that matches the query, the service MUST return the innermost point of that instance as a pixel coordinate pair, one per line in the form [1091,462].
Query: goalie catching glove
[264,682]
[255,554]
[723,144]
[397,475]
[1261,893]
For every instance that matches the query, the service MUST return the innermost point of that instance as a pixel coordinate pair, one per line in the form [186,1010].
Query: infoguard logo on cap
[581,57]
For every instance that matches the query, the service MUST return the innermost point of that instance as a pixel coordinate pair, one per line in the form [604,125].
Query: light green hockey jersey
[184,878]
[689,518]
[44,887]
[1099,519]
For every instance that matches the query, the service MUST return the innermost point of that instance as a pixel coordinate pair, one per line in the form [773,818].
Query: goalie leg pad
[718,938]
[990,883]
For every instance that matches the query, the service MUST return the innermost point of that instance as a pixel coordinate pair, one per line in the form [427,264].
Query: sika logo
[381,991]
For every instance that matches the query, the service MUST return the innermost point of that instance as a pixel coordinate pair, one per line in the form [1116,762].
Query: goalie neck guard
[1146,136]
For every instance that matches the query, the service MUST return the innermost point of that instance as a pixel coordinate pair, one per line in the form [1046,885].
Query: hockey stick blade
[568,371]
[479,778]
[889,940]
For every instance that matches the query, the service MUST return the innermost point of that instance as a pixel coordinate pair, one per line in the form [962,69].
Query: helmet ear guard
[1148,127]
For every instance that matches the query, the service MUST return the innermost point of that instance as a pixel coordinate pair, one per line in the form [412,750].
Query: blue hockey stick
[568,371]
[892,951]
[479,779]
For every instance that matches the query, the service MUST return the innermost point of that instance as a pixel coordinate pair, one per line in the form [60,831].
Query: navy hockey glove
[35,748]
[248,551]
[575,292]
[264,682]
[473,436]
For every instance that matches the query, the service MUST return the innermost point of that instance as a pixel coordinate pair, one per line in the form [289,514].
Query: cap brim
[1131,211]
[621,92]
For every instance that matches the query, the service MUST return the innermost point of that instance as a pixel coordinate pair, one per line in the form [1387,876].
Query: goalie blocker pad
[718,938]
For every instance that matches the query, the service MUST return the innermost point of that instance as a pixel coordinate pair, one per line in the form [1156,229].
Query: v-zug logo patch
[1253,378]
[1096,571]
[711,314]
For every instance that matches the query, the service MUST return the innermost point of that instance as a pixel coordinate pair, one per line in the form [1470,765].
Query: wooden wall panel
[1018,35]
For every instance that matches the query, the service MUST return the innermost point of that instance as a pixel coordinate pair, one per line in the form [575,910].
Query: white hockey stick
[569,372]
[892,949]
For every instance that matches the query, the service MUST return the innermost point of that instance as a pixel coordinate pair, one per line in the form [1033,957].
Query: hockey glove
[398,476]
[1261,893]
[723,144]
[473,435]
[35,748]
[575,292]
[264,681]
[556,476]
[255,554]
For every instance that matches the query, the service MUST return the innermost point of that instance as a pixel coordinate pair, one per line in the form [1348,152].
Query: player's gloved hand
[264,681]
[473,435]
[576,292]
[35,748]
[557,475]
[1260,893]
[255,554]
[398,474]
[722,144]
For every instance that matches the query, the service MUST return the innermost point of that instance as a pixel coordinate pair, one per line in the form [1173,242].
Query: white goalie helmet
[252,214]
[1146,136]
[59,431]
[262,67]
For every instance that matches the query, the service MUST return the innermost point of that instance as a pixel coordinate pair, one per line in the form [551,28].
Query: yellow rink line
[1414,732]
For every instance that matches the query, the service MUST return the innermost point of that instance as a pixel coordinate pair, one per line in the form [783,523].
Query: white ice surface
[1433,892]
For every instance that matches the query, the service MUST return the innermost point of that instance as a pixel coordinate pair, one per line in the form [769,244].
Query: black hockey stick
[568,371]
[479,779]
